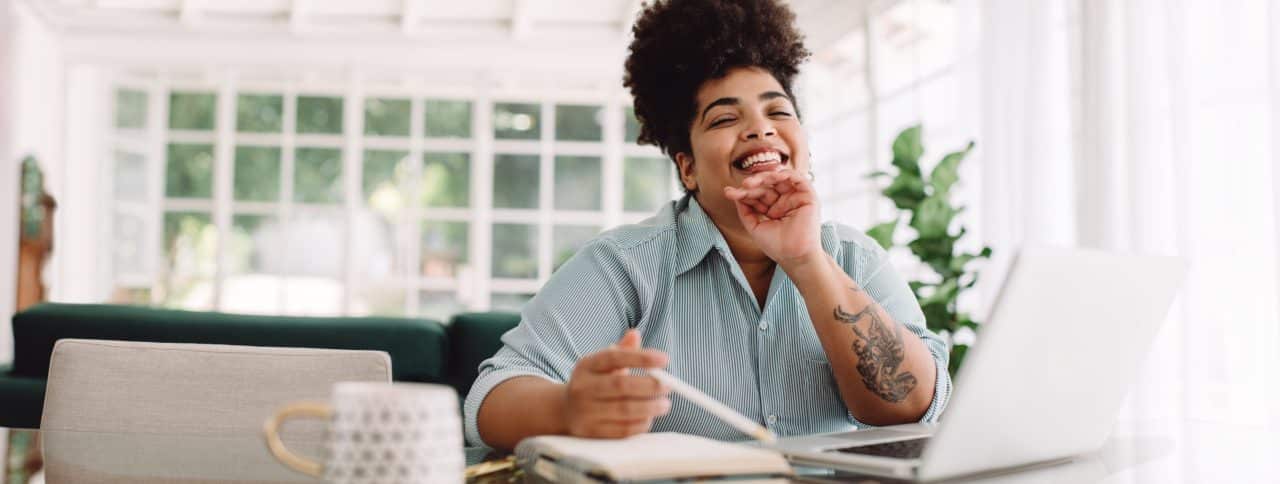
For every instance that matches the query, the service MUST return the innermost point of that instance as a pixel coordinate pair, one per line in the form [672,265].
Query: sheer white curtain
[1146,126]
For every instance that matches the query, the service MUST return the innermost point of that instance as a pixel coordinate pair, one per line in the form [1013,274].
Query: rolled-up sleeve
[872,270]
[586,305]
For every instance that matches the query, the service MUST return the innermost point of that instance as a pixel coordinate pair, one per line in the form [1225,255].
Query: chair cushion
[473,338]
[417,347]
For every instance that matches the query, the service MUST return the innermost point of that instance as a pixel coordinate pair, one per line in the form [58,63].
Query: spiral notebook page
[655,456]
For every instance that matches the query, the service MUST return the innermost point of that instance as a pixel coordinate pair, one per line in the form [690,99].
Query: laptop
[1044,381]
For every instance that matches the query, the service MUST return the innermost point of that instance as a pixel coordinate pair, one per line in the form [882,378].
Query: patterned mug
[380,432]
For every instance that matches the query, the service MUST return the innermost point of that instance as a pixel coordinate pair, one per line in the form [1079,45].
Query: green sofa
[421,350]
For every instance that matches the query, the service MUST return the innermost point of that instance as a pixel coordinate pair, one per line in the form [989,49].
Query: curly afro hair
[679,44]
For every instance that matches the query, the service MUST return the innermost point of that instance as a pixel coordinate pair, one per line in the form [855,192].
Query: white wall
[32,86]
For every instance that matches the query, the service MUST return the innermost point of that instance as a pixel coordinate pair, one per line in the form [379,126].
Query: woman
[736,288]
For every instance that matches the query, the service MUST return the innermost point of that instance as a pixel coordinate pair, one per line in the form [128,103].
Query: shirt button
[764,326]
[773,419]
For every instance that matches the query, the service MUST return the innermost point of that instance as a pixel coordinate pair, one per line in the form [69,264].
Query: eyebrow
[733,101]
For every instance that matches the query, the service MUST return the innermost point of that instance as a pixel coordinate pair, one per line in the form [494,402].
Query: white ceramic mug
[380,432]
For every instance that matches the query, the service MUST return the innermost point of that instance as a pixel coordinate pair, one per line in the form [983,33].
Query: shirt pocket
[820,408]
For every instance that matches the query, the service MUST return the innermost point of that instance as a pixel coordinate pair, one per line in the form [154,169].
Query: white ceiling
[564,38]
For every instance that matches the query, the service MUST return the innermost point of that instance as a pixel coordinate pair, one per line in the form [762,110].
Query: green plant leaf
[906,191]
[883,233]
[932,217]
[957,358]
[932,250]
[958,263]
[878,174]
[937,317]
[948,171]
[907,150]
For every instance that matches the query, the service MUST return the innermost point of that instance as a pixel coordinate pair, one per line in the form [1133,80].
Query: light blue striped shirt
[673,278]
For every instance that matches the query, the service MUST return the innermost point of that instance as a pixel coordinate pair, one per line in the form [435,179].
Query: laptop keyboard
[901,449]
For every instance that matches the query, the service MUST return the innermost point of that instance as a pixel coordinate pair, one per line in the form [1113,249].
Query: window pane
[131,109]
[515,181]
[578,183]
[250,235]
[567,239]
[446,180]
[383,172]
[189,171]
[132,296]
[633,126]
[516,121]
[190,252]
[259,113]
[444,248]
[130,176]
[646,183]
[448,119]
[439,305]
[319,115]
[313,241]
[578,123]
[508,302]
[515,249]
[318,175]
[191,110]
[386,117]
[257,173]
[129,236]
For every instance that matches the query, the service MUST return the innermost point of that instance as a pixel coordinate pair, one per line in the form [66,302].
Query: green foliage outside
[925,203]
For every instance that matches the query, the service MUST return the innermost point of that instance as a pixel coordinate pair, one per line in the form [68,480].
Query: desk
[1187,451]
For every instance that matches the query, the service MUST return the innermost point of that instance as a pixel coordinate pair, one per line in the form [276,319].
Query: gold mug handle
[271,431]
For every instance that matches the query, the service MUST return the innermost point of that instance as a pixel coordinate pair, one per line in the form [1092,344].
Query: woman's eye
[720,121]
[780,113]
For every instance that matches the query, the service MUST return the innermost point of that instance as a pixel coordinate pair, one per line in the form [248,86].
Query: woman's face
[744,124]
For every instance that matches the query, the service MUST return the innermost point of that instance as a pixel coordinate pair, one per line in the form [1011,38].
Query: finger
[789,203]
[747,215]
[629,408]
[765,195]
[620,429]
[630,340]
[607,360]
[627,386]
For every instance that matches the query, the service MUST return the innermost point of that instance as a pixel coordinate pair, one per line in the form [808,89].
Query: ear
[684,162]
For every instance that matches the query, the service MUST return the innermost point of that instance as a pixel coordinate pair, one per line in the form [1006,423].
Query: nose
[759,127]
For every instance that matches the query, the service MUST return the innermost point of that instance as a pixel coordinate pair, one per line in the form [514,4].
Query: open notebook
[644,457]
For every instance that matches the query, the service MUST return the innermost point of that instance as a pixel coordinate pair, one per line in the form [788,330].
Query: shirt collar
[696,235]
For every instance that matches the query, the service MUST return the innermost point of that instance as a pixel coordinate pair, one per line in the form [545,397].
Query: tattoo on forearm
[880,353]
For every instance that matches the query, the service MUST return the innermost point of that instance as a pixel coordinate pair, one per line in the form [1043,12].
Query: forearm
[885,373]
[522,407]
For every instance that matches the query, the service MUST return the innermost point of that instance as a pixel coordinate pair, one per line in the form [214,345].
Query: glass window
[446,179]
[250,235]
[646,183]
[578,123]
[129,234]
[257,173]
[448,119]
[444,248]
[632,126]
[515,251]
[131,109]
[516,121]
[508,302]
[578,180]
[189,171]
[382,298]
[567,239]
[515,181]
[317,176]
[383,173]
[130,176]
[191,110]
[318,114]
[439,305]
[190,255]
[386,117]
[257,113]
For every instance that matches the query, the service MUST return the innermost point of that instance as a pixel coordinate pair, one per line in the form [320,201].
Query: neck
[753,261]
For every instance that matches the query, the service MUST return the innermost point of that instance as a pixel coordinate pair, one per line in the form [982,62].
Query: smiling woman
[736,288]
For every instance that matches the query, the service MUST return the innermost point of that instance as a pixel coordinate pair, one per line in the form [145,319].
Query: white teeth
[761,157]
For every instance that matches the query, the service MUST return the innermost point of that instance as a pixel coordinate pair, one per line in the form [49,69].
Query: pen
[714,407]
